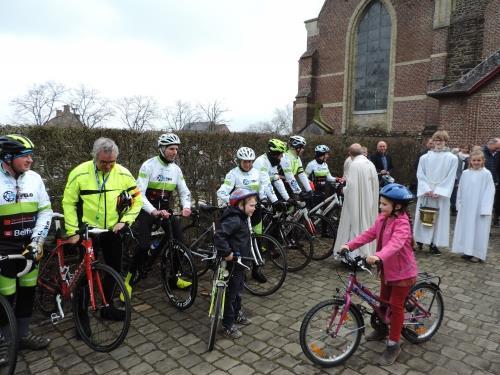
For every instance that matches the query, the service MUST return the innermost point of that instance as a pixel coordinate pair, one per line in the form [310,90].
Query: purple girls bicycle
[331,331]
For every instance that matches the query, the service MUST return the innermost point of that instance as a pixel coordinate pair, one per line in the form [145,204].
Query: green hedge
[204,158]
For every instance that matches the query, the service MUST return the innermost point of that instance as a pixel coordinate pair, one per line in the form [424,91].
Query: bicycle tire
[274,267]
[9,340]
[314,323]
[113,332]
[416,329]
[324,238]
[45,298]
[334,216]
[192,238]
[179,294]
[214,319]
[297,243]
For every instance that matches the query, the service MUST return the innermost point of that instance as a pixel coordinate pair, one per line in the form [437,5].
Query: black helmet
[15,145]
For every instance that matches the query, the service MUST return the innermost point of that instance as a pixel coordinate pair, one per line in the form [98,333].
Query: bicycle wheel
[47,285]
[8,338]
[178,275]
[424,310]
[200,246]
[334,216]
[297,243]
[274,267]
[105,327]
[319,339]
[323,238]
[217,301]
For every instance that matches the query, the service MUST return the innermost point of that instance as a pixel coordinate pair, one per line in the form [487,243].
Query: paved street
[164,341]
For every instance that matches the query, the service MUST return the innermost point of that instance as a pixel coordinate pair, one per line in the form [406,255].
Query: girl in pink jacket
[392,230]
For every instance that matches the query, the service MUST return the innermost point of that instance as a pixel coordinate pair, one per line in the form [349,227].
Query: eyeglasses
[106,162]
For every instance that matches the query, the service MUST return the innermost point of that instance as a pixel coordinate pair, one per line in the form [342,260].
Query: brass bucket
[428,215]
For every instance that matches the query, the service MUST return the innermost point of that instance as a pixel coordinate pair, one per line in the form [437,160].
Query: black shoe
[434,250]
[419,246]
[466,257]
[33,342]
[112,313]
[258,275]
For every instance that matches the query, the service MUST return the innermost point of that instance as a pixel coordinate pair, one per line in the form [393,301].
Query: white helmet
[168,139]
[322,149]
[245,153]
[297,141]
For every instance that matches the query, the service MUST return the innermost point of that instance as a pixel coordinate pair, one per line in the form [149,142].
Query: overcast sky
[243,53]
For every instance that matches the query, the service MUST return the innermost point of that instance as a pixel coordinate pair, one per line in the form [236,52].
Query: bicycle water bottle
[154,247]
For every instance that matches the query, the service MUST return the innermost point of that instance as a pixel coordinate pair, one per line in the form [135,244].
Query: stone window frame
[348,112]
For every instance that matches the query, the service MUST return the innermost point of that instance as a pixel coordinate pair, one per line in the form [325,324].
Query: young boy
[231,238]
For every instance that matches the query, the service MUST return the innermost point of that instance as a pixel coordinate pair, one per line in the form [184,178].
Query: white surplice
[360,207]
[436,173]
[475,196]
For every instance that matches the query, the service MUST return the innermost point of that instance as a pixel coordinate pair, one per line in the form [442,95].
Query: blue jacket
[233,234]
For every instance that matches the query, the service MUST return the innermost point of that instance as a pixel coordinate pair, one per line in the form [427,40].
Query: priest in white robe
[360,207]
[436,177]
[476,192]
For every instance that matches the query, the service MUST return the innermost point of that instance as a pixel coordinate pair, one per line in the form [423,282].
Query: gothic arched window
[373,46]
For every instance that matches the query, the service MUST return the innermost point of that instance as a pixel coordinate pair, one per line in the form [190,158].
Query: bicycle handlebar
[26,269]
[357,262]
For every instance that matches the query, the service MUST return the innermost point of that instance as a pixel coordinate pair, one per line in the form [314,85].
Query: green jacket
[90,197]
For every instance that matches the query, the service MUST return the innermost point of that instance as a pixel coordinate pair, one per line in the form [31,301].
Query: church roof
[473,80]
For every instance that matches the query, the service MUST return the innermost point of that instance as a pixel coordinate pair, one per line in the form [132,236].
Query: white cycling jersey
[25,210]
[263,165]
[292,166]
[157,180]
[319,173]
[236,178]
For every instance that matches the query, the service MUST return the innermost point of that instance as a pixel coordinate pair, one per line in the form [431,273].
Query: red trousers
[396,296]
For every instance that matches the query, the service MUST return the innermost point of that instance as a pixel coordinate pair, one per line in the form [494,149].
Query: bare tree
[137,112]
[282,120]
[90,106]
[39,103]
[213,112]
[180,114]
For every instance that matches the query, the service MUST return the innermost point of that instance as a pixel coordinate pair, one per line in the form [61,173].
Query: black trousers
[232,304]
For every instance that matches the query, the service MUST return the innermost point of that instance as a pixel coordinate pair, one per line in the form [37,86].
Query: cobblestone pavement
[164,341]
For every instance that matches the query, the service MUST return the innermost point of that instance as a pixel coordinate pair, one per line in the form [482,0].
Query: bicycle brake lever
[238,260]
[366,269]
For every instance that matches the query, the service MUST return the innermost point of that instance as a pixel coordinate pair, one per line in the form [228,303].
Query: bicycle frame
[220,279]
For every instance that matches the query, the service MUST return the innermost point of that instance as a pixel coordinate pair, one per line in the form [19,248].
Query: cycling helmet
[123,202]
[14,145]
[168,139]
[297,141]
[276,145]
[240,194]
[321,149]
[245,153]
[396,193]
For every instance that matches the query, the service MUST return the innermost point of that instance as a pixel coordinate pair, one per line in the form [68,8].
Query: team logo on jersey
[248,182]
[9,196]
[162,178]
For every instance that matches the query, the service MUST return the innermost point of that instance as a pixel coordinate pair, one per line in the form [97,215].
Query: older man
[491,152]
[382,160]
[360,200]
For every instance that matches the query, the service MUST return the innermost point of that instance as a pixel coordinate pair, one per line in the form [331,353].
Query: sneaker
[242,319]
[232,333]
[434,250]
[390,355]
[376,335]
[128,287]
[33,342]
[112,313]
[258,275]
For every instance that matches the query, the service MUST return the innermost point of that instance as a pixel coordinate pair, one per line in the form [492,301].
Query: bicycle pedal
[55,318]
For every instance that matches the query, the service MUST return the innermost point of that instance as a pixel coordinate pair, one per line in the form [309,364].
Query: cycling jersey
[291,166]
[319,172]
[263,165]
[237,178]
[157,180]
[90,197]
[25,210]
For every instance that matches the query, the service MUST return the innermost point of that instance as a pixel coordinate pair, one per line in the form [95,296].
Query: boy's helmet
[245,153]
[14,145]
[297,141]
[397,193]
[168,139]
[240,194]
[321,149]
[276,145]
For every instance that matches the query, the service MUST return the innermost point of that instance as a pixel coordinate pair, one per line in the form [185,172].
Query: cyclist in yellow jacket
[95,193]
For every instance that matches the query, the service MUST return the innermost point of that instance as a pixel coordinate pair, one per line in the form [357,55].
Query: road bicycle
[293,237]
[9,340]
[218,293]
[101,306]
[331,331]
[267,254]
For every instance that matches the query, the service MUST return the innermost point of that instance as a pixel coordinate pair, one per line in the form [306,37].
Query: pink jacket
[396,251]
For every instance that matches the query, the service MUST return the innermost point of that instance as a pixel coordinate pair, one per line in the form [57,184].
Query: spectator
[364,151]
[491,152]
[382,160]
[360,200]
